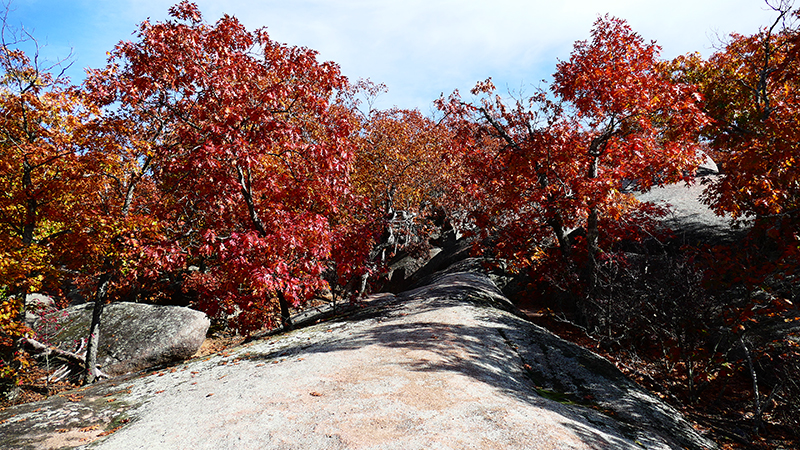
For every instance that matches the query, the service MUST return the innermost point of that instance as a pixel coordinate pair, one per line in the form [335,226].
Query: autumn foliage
[249,154]
[751,90]
[751,87]
[40,125]
[209,165]
[571,156]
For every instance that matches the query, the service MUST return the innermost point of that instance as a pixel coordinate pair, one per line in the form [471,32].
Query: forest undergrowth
[724,352]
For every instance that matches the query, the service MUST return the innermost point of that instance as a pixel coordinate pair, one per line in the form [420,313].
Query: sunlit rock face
[447,365]
[133,336]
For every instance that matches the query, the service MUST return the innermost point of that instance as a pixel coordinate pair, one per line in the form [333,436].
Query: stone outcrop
[692,220]
[35,306]
[133,336]
[448,365]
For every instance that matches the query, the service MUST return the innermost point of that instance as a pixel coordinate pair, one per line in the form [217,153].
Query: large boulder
[133,336]
[707,167]
[36,305]
[689,217]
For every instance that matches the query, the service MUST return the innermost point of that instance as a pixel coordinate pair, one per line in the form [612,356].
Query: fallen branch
[75,361]
[59,374]
[36,348]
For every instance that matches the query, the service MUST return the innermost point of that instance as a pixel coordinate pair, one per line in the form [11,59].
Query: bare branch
[38,349]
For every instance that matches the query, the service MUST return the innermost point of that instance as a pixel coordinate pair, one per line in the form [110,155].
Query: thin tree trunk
[20,294]
[32,206]
[756,396]
[246,191]
[564,242]
[94,329]
[592,247]
[592,233]
[286,318]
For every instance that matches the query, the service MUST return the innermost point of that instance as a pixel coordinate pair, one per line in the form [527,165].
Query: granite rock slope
[446,366]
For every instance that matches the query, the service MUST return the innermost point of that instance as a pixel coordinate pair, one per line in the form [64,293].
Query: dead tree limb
[37,349]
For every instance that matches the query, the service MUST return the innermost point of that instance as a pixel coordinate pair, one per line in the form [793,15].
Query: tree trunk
[592,248]
[564,242]
[94,329]
[20,295]
[592,234]
[29,226]
[286,318]
[757,416]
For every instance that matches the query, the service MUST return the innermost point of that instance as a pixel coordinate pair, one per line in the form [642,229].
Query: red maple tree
[611,123]
[250,154]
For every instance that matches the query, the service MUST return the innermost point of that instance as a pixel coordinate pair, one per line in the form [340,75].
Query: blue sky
[418,48]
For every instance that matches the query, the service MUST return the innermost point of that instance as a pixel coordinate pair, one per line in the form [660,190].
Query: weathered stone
[133,336]
[448,365]
[421,270]
[692,220]
[707,167]
[39,301]
[36,305]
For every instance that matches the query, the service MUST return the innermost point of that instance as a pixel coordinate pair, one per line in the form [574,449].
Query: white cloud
[421,48]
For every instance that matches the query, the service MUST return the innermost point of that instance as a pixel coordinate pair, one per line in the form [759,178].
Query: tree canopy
[211,163]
